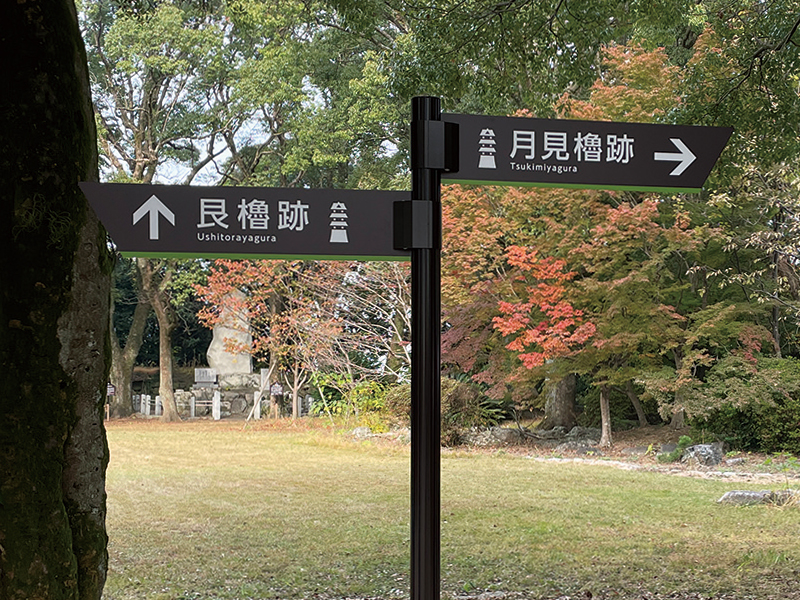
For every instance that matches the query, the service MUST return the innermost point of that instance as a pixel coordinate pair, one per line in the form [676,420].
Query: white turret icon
[487,150]
[338,223]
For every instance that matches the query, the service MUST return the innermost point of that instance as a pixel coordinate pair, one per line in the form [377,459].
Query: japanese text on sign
[253,215]
[588,147]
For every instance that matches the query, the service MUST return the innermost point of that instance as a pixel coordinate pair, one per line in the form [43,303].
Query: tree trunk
[637,404]
[121,403]
[559,408]
[296,384]
[124,359]
[396,357]
[54,301]
[299,379]
[776,310]
[154,286]
[296,409]
[605,417]
[166,390]
[678,420]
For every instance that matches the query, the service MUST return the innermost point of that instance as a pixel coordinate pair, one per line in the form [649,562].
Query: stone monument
[234,368]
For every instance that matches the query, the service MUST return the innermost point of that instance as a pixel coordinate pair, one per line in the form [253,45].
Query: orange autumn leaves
[578,277]
[568,273]
[562,327]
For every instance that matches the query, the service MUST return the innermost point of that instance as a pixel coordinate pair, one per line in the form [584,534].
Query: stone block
[703,455]
[750,497]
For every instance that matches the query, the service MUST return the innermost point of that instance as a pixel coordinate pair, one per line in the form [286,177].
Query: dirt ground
[637,449]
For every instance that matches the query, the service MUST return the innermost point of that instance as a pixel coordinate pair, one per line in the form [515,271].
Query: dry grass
[207,510]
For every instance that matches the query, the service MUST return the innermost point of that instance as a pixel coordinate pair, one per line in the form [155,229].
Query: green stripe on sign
[212,255]
[576,186]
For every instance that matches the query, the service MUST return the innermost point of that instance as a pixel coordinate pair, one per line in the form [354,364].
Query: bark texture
[124,359]
[156,276]
[606,438]
[559,408]
[54,296]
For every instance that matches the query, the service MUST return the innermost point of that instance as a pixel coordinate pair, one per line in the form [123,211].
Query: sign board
[111,389]
[584,154]
[241,222]
[205,377]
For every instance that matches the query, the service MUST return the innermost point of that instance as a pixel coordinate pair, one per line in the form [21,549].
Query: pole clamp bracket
[413,224]
[434,145]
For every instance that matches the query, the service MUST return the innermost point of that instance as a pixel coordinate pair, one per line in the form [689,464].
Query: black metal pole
[425,364]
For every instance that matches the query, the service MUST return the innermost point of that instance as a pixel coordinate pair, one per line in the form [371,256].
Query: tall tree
[291,326]
[161,77]
[54,296]
[478,224]
[161,80]
[123,354]
[156,277]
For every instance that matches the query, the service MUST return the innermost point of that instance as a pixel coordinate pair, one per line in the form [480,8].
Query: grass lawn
[206,510]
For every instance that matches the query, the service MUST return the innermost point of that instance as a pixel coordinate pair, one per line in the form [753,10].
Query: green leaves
[744,73]
[162,40]
[316,92]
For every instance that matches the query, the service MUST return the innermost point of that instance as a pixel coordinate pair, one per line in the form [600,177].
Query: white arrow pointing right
[684,158]
[153,207]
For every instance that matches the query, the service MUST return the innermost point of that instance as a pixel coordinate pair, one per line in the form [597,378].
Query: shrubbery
[364,400]
[463,406]
[753,406]
[683,442]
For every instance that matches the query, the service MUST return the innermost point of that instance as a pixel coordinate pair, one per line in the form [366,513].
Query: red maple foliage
[545,325]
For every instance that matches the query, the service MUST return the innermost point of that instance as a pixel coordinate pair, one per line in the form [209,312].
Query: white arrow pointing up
[153,207]
[684,158]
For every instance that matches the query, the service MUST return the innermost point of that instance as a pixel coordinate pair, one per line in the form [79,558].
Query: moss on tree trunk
[54,292]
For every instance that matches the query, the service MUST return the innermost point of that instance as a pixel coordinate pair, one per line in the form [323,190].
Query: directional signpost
[511,151]
[183,221]
[585,154]
[241,222]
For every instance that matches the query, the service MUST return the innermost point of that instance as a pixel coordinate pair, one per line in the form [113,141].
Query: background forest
[615,308]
